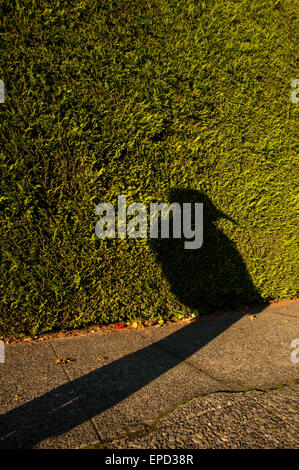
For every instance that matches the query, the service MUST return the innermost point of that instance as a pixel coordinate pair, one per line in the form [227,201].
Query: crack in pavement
[149,428]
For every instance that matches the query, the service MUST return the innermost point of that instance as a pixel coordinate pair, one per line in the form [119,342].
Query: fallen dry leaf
[63,360]
[252,317]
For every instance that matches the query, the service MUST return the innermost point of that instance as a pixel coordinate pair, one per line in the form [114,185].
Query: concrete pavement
[230,420]
[156,387]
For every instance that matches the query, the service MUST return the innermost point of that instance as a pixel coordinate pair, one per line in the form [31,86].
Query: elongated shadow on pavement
[194,277]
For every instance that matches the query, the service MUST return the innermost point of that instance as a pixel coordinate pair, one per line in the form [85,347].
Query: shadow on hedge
[212,275]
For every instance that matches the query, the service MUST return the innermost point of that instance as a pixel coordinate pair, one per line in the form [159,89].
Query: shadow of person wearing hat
[213,276]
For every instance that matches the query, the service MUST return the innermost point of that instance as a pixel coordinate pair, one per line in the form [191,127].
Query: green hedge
[149,98]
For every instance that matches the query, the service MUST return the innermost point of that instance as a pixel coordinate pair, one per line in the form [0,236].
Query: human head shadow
[213,276]
[194,276]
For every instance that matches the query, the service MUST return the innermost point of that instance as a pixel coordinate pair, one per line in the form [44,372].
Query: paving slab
[30,400]
[244,350]
[124,382]
[250,420]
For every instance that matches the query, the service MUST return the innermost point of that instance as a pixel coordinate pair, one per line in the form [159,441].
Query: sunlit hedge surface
[138,98]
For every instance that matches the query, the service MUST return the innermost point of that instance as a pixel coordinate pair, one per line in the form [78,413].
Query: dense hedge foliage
[144,98]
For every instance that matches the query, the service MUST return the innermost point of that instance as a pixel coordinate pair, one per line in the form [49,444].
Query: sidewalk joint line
[78,396]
